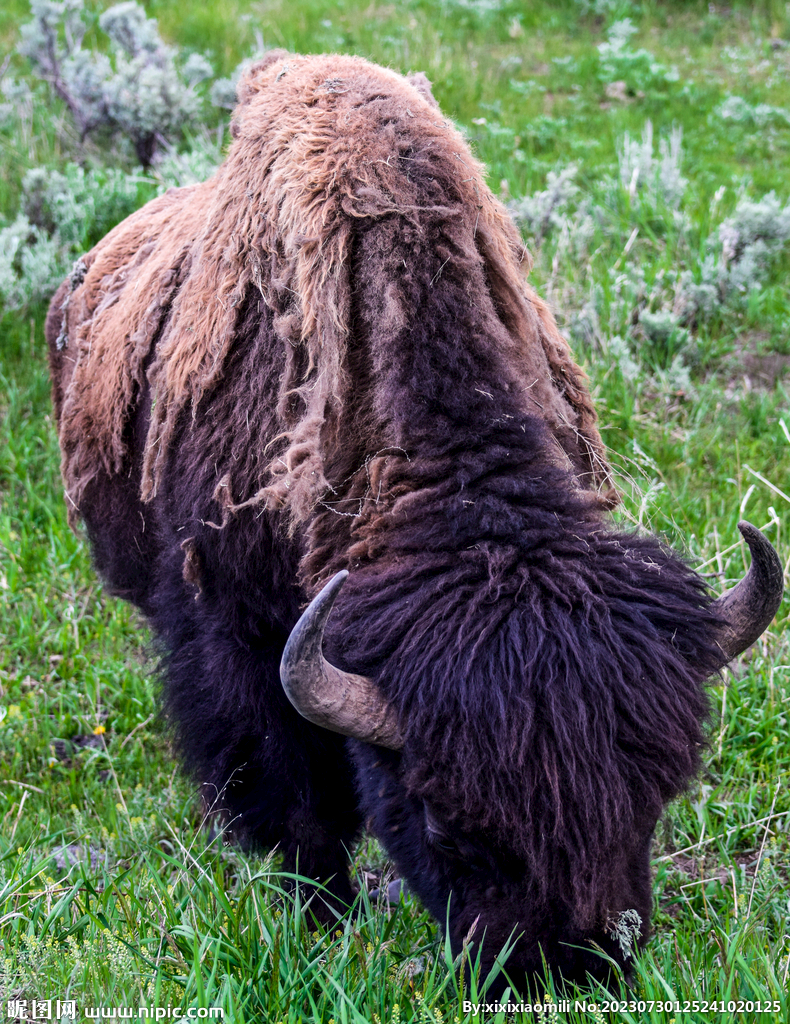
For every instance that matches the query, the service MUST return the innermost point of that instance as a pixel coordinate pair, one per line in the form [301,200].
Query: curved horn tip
[306,636]
[748,609]
[340,578]
[317,612]
[750,533]
[763,552]
[331,589]
[341,702]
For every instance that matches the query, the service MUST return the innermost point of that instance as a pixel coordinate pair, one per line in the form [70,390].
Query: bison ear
[420,82]
[248,83]
[269,58]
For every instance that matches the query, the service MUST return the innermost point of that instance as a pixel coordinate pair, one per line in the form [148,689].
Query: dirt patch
[765,370]
[751,367]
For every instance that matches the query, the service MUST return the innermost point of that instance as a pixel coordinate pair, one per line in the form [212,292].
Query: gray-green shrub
[143,89]
[63,214]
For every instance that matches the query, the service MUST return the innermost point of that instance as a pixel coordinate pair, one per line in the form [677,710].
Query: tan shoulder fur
[308,161]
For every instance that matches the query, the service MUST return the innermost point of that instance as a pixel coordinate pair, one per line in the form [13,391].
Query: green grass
[152,910]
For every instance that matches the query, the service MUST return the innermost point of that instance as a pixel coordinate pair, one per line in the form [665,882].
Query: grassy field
[650,172]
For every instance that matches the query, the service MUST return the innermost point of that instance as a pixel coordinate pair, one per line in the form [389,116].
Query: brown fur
[163,290]
[330,350]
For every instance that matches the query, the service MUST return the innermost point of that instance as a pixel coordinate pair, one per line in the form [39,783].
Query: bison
[325,362]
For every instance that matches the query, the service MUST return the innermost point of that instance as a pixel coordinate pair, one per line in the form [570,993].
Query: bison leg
[272,778]
[122,555]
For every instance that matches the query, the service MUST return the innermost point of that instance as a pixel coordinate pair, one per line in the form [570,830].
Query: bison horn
[339,701]
[750,606]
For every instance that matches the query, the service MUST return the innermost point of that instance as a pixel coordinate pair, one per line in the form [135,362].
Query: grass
[111,892]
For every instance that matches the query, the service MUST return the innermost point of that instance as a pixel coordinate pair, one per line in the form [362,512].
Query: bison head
[533,897]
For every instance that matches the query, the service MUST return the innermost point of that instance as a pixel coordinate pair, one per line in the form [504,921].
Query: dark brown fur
[327,357]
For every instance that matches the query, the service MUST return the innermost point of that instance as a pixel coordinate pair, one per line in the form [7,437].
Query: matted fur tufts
[548,673]
[330,351]
[322,146]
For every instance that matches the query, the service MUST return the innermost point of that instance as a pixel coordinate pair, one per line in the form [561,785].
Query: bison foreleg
[273,780]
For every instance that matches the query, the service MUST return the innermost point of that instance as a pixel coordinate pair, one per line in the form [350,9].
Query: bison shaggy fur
[327,357]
